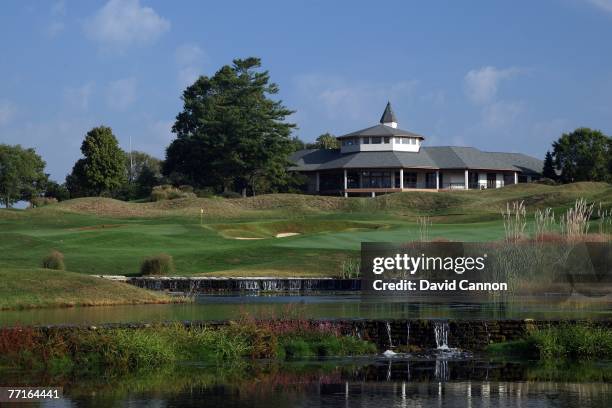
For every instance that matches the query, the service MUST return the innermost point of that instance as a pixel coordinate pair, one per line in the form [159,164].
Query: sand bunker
[286,234]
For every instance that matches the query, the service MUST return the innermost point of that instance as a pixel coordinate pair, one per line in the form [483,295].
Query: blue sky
[497,75]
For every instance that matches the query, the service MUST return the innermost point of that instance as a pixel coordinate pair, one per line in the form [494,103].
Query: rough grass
[22,288]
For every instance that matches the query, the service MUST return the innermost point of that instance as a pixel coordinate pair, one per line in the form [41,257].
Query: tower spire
[388,117]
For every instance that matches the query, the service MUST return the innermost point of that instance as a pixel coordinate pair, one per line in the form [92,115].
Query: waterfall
[441,332]
[442,372]
[407,333]
[388,326]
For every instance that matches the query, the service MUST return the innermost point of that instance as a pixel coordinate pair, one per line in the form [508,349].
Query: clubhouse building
[385,159]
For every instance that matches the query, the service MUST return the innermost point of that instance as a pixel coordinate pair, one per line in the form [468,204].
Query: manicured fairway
[238,236]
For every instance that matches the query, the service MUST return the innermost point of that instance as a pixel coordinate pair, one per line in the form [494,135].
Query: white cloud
[481,84]
[500,114]
[7,111]
[78,97]
[605,5]
[189,59]
[120,24]
[121,93]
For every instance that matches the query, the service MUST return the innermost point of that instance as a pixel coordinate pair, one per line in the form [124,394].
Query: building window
[366,140]
[491,180]
[410,180]
[350,142]
[398,140]
[376,140]
[377,179]
[473,179]
[405,140]
[387,140]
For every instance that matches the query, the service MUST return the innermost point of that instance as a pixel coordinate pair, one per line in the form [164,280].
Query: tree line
[232,138]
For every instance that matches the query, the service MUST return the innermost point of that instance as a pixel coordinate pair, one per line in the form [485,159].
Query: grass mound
[409,203]
[33,288]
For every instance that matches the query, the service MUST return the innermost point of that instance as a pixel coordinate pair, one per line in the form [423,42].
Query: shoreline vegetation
[60,350]
[565,341]
[123,350]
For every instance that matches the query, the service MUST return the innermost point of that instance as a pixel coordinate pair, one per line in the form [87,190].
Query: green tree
[583,155]
[327,141]
[102,169]
[56,190]
[548,170]
[136,162]
[143,172]
[230,131]
[21,174]
[297,144]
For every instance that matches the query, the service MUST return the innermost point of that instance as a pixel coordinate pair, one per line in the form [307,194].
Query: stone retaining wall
[246,284]
[402,334]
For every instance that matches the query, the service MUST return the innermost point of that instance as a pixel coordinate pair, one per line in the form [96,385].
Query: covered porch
[391,180]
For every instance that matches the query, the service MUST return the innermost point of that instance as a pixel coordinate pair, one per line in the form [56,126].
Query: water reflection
[425,381]
[218,307]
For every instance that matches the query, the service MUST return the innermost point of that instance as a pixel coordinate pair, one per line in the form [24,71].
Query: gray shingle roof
[381,130]
[388,115]
[444,157]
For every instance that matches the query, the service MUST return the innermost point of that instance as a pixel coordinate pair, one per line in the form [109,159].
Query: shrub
[230,194]
[161,264]
[574,341]
[36,202]
[168,192]
[185,188]
[351,268]
[205,192]
[55,260]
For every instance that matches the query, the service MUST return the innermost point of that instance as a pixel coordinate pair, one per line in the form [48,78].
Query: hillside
[408,203]
[32,288]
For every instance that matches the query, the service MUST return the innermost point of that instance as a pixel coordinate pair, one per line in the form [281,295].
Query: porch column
[437,179]
[318,182]
[360,179]
[402,179]
[373,194]
[466,179]
[516,177]
[345,184]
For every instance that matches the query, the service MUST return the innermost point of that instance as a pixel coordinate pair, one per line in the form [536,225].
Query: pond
[327,306]
[364,382]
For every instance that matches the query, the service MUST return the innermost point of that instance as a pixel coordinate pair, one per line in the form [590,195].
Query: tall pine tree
[230,131]
[548,170]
